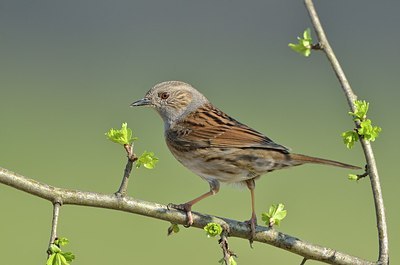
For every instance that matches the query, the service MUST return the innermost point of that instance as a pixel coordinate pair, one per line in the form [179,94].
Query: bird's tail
[303,159]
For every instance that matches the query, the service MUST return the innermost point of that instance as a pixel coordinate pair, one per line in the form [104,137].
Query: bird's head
[172,100]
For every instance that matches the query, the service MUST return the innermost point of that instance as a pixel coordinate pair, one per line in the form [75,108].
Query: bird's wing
[210,127]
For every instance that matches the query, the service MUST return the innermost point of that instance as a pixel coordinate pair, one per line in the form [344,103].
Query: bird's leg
[253,220]
[187,207]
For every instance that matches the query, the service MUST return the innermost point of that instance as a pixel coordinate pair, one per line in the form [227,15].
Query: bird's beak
[141,102]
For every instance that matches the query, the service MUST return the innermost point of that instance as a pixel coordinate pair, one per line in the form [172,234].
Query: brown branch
[368,153]
[128,204]
[54,223]
[223,243]
[303,261]
[123,188]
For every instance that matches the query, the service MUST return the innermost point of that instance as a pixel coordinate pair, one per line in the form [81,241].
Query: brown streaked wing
[210,127]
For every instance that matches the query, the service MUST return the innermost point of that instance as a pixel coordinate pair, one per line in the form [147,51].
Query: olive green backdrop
[70,69]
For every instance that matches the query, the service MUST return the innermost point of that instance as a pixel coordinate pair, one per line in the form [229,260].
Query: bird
[215,146]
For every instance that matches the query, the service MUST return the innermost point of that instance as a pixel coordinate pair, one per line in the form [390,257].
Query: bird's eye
[163,95]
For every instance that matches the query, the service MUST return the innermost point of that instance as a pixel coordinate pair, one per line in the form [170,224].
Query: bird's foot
[186,207]
[252,223]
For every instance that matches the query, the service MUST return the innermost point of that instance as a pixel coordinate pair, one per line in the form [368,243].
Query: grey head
[173,100]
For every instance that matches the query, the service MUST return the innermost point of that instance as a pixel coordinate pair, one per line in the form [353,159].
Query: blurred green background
[69,70]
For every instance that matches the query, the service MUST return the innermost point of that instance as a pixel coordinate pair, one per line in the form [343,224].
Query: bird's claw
[252,223]
[186,208]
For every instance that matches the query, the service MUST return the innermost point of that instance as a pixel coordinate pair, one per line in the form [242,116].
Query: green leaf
[368,131]
[365,128]
[375,133]
[307,34]
[57,259]
[173,229]
[62,241]
[213,229]
[349,138]
[54,248]
[57,256]
[361,110]
[62,259]
[300,49]
[147,159]
[353,177]
[50,260]
[231,261]
[68,256]
[275,215]
[122,136]
[304,44]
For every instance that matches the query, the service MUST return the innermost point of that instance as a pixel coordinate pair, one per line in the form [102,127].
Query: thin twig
[158,211]
[369,155]
[128,169]
[303,261]
[54,223]
[363,175]
[223,243]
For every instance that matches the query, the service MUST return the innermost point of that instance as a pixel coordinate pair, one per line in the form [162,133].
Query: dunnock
[215,146]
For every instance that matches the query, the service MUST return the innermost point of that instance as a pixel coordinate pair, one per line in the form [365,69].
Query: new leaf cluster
[57,256]
[231,261]
[304,44]
[124,137]
[275,215]
[365,129]
[147,159]
[213,229]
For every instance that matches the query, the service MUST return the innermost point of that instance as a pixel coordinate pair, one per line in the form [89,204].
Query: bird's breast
[229,165]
